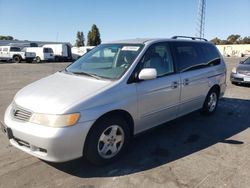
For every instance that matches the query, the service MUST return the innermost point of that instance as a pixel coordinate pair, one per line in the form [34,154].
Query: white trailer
[62,52]
[42,53]
[77,52]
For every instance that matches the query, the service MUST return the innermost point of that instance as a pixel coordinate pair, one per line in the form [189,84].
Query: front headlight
[55,120]
[234,70]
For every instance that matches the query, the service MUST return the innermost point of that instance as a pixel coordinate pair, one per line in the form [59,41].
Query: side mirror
[148,74]
[241,62]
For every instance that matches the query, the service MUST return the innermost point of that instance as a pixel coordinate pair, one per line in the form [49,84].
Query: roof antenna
[201,19]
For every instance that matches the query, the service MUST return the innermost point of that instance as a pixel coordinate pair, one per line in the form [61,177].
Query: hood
[53,94]
[243,68]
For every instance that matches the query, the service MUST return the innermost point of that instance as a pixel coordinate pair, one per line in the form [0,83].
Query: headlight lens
[55,120]
[234,70]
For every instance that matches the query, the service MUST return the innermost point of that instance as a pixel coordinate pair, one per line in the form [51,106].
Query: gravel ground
[192,151]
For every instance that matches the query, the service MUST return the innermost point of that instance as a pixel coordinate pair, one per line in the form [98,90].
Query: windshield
[247,61]
[109,61]
[47,50]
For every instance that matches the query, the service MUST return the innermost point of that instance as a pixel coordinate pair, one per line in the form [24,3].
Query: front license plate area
[7,131]
[247,78]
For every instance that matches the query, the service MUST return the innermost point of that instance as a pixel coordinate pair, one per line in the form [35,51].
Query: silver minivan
[117,90]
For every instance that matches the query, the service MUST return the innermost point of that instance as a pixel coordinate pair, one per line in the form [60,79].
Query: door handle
[186,82]
[174,84]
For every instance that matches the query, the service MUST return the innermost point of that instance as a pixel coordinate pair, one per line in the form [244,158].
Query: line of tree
[6,37]
[231,39]
[94,37]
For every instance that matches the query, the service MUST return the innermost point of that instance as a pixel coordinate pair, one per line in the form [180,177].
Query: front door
[158,99]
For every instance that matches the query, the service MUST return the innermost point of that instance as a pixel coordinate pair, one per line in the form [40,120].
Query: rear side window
[211,55]
[47,50]
[15,49]
[192,55]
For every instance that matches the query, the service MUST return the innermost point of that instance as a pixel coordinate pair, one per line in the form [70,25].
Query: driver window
[158,56]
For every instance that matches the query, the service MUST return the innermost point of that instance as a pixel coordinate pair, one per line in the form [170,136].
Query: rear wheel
[211,102]
[38,59]
[107,140]
[16,59]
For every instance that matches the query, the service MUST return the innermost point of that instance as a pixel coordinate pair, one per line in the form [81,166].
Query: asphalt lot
[193,151]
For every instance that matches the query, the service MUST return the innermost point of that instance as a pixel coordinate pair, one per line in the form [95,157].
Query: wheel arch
[14,55]
[119,113]
[216,87]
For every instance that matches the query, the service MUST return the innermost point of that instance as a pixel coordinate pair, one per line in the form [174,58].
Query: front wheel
[211,102]
[16,59]
[107,141]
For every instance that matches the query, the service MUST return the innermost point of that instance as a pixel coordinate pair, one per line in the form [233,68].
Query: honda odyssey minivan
[94,106]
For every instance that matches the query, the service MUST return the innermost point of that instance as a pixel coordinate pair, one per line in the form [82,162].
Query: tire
[234,83]
[107,140]
[16,59]
[38,59]
[211,102]
[57,59]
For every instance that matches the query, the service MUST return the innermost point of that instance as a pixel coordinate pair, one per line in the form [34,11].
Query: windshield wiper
[88,74]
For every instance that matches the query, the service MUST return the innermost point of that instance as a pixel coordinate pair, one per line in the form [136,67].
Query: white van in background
[62,52]
[77,52]
[42,53]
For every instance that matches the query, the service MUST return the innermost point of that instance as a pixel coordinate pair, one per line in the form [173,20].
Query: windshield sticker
[130,48]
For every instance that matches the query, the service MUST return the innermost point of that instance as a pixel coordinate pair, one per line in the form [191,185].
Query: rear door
[158,99]
[193,75]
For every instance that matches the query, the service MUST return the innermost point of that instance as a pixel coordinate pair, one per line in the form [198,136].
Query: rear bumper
[47,143]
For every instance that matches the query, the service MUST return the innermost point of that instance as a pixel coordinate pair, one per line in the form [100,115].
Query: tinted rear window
[15,49]
[192,55]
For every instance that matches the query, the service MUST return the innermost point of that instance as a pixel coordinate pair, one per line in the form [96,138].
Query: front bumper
[47,143]
[240,78]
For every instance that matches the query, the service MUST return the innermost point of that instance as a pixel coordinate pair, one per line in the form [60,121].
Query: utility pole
[201,19]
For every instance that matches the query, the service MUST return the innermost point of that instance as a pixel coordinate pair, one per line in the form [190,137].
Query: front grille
[20,113]
[238,79]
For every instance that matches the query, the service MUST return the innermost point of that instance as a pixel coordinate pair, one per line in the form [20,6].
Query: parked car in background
[115,91]
[78,52]
[241,73]
[62,52]
[42,53]
[14,54]
[246,53]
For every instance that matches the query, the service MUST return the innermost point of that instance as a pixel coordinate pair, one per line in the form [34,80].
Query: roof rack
[187,37]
